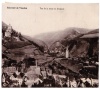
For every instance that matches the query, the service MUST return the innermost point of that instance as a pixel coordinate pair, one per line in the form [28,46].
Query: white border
[51,1]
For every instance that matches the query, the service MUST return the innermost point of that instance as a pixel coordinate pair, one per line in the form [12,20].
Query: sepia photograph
[50,45]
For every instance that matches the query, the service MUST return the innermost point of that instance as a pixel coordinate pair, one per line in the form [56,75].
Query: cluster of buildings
[64,60]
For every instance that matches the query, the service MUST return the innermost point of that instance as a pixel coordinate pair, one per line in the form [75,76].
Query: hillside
[81,42]
[50,38]
[37,41]
[16,46]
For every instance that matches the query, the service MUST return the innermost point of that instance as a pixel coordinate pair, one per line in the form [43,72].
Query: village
[27,63]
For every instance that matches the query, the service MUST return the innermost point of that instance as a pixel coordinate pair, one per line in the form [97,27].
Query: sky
[39,18]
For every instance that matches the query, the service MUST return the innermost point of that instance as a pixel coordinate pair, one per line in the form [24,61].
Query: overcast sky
[33,20]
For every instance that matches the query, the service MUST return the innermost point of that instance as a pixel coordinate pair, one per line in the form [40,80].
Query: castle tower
[8,31]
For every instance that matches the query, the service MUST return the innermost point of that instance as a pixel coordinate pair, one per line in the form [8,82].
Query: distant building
[8,31]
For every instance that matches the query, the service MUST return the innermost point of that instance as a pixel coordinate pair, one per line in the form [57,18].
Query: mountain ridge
[51,37]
